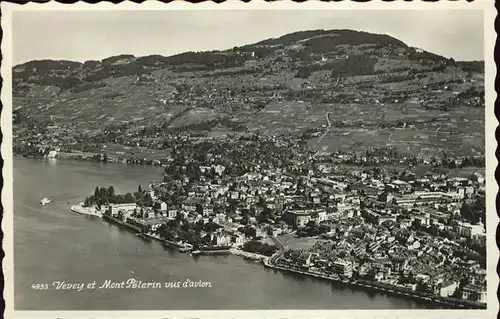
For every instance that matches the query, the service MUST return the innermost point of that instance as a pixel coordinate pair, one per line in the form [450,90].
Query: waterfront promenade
[121,222]
[272,262]
[248,255]
[80,209]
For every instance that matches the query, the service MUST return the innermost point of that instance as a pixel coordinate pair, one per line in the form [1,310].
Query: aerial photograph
[246,160]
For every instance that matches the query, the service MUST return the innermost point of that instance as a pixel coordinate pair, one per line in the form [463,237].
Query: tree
[265,216]
[311,224]
[148,200]
[88,201]
[303,73]
[129,198]
[250,231]
[198,226]
[97,193]
[416,224]
[452,164]
[178,219]
[111,191]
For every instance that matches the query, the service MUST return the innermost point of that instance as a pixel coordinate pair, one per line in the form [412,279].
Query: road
[327,128]
[279,253]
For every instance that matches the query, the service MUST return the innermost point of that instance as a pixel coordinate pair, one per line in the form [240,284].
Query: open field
[416,142]
[136,152]
[292,242]
[419,170]
[288,116]
[195,116]
[431,131]
[460,131]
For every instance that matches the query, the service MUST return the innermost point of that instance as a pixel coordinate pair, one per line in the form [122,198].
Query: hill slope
[340,89]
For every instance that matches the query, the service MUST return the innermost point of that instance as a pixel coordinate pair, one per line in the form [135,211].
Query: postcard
[244,160]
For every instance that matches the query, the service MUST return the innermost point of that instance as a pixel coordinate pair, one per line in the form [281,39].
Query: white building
[468,230]
[208,210]
[127,208]
[219,218]
[239,239]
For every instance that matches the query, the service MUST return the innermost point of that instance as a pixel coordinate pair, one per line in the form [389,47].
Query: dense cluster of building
[424,232]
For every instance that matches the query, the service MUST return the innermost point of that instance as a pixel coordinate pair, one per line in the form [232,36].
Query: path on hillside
[327,128]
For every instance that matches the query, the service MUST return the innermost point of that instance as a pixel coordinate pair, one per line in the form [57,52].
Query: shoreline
[156,163]
[77,157]
[248,255]
[79,209]
[268,262]
[231,251]
[119,222]
[392,290]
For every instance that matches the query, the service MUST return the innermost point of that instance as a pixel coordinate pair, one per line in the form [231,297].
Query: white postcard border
[491,161]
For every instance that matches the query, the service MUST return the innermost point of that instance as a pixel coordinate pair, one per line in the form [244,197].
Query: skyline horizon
[227,49]
[56,36]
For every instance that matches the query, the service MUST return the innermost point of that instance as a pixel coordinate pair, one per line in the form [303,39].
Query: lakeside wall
[362,284]
[394,290]
[120,222]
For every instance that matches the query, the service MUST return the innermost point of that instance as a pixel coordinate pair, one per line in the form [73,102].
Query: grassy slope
[127,89]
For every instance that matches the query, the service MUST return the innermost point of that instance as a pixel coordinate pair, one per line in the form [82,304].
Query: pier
[215,252]
[79,209]
[173,244]
[245,254]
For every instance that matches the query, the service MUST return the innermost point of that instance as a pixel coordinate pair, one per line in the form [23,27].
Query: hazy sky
[94,35]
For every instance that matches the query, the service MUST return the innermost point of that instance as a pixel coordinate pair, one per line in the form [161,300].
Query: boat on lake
[44,201]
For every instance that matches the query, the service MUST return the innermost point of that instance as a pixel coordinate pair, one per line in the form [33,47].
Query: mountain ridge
[257,43]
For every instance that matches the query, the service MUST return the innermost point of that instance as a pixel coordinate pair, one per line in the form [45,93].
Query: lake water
[54,244]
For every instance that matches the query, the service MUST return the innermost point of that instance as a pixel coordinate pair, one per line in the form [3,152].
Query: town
[336,154]
[397,225]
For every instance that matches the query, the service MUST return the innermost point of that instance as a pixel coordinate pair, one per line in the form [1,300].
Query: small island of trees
[107,195]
